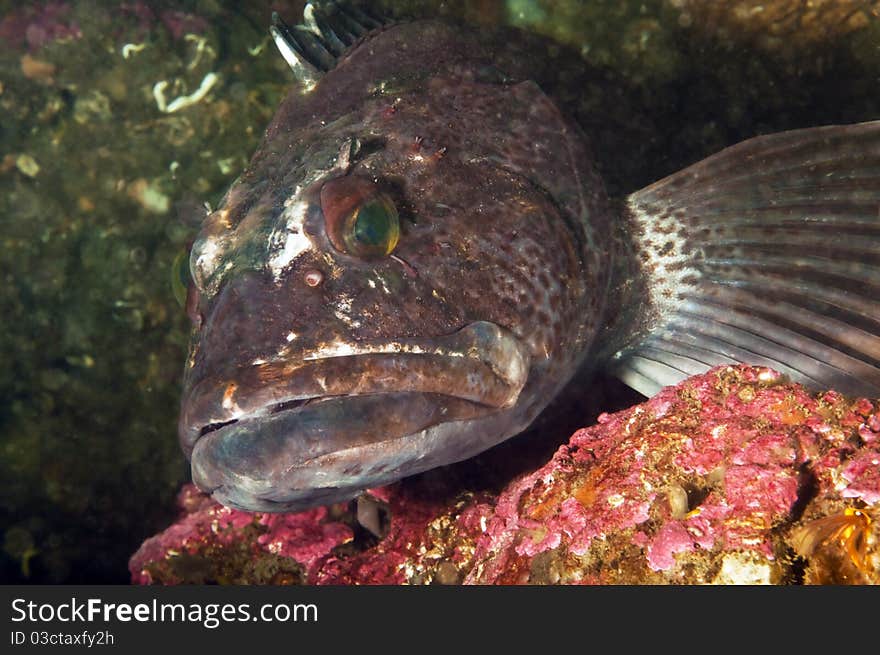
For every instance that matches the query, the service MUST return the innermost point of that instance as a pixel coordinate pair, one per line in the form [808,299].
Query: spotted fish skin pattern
[315,373]
[504,222]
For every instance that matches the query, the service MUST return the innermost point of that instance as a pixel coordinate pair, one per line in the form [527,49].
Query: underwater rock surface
[735,476]
[98,177]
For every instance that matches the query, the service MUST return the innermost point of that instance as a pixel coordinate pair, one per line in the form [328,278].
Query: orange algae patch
[789,412]
[847,531]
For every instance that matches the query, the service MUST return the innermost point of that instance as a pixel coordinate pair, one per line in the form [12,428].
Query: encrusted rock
[732,477]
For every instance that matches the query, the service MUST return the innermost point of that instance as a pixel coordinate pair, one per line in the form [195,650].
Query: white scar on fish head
[208,257]
[208,253]
[338,348]
[289,241]
[342,310]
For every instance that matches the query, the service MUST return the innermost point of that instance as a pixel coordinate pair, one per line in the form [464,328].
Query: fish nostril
[314,277]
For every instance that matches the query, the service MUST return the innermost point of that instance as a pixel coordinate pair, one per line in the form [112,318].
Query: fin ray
[766,253]
[328,30]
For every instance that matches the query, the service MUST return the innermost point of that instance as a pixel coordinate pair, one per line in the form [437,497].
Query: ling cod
[421,254]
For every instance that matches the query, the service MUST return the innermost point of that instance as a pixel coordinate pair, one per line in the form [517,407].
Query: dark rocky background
[98,190]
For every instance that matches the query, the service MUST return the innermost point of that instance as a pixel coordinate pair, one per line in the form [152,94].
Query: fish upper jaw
[284,434]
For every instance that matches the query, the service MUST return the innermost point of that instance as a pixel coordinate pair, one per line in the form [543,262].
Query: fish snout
[330,422]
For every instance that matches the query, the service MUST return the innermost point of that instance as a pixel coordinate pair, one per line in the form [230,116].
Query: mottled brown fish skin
[504,221]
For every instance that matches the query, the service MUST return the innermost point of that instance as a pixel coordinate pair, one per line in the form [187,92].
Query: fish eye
[359,219]
[373,228]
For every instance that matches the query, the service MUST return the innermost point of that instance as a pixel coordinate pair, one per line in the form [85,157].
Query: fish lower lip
[286,406]
[482,363]
[289,405]
[211,427]
[277,462]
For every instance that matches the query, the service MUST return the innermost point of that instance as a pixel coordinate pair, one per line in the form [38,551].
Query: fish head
[386,288]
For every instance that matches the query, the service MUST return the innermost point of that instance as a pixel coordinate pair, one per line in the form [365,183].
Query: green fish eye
[373,229]
[359,219]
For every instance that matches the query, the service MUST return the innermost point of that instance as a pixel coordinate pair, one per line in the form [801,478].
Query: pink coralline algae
[212,543]
[32,27]
[178,23]
[734,476]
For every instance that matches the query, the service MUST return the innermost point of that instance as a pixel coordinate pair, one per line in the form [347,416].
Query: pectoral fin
[767,253]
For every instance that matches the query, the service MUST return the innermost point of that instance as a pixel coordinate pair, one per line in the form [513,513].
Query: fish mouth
[320,427]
